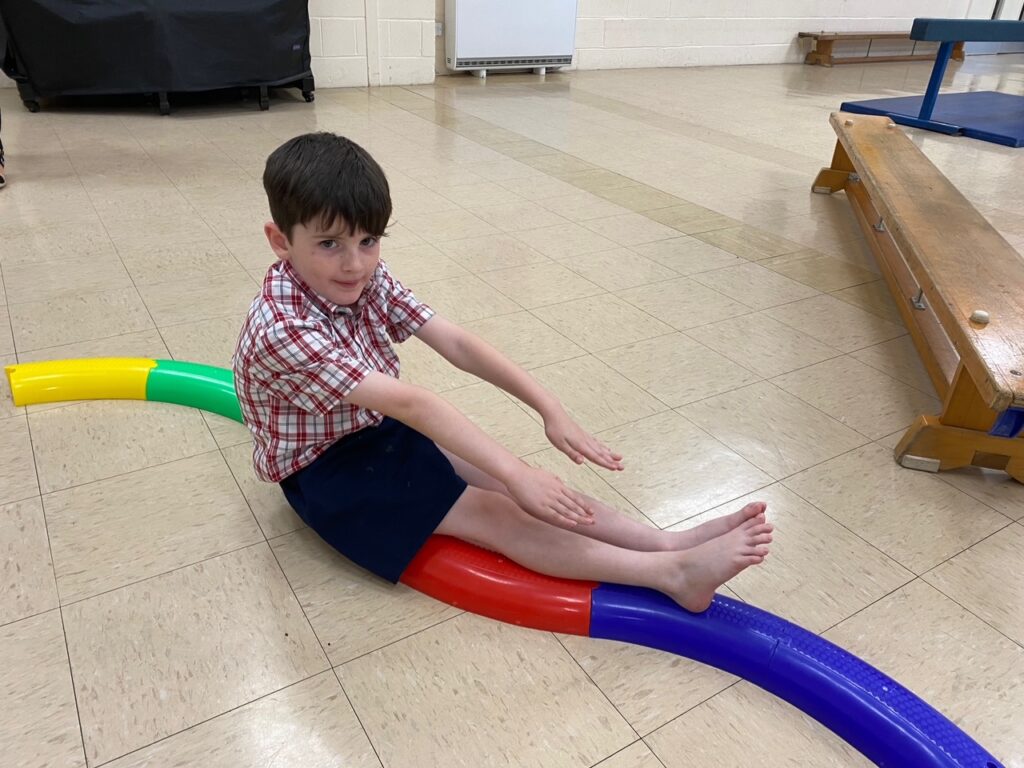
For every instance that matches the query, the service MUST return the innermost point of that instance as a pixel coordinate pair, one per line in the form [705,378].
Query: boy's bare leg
[613,527]
[690,577]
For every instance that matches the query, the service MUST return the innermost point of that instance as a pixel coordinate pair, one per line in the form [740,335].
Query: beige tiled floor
[645,243]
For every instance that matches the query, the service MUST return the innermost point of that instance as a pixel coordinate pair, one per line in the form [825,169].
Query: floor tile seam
[175,569]
[196,210]
[930,393]
[574,661]
[241,491]
[298,602]
[921,578]
[149,312]
[932,569]
[118,475]
[669,406]
[750,310]
[124,266]
[618,295]
[56,592]
[92,204]
[74,688]
[783,483]
[657,281]
[523,137]
[6,298]
[867,438]
[679,127]
[761,379]
[414,633]
[639,740]
[613,369]
[915,578]
[26,617]
[69,293]
[690,709]
[695,425]
[21,499]
[355,713]
[208,719]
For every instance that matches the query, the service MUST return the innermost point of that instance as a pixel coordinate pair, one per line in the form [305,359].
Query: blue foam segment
[872,712]
[1009,423]
[985,115]
[968,30]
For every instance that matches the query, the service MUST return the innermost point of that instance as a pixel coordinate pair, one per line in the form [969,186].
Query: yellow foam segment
[106,378]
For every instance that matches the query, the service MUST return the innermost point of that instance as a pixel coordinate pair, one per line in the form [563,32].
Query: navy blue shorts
[376,495]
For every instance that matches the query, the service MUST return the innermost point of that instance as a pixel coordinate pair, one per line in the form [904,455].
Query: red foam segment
[491,585]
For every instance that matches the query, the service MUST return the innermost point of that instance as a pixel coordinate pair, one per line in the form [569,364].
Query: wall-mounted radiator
[509,34]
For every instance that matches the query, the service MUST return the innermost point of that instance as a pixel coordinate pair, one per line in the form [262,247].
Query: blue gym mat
[985,115]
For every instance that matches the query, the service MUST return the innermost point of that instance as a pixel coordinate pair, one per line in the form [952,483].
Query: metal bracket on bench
[880,226]
[918,301]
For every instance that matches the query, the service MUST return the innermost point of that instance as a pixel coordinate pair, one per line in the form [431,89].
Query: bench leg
[834,178]
[820,53]
[959,436]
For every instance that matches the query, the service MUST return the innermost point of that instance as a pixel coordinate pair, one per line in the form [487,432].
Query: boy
[374,465]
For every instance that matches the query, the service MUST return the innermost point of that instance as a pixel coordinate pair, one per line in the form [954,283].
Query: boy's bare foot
[699,571]
[712,529]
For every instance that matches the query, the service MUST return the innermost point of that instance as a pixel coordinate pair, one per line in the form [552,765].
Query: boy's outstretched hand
[547,498]
[576,443]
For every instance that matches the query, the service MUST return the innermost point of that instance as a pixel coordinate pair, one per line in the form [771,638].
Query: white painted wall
[616,34]
[612,34]
[372,42]
[392,42]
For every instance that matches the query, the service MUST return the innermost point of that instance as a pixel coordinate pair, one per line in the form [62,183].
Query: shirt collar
[329,307]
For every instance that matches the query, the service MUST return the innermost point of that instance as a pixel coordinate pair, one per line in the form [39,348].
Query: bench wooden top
[856,35]
[960,261]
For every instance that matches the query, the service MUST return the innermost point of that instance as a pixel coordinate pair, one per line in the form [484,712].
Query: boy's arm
[469,352]
[538,492]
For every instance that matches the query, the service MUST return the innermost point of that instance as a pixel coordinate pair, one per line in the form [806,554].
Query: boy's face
[335,263]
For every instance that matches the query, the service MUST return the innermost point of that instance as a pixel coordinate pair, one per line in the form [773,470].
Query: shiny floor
[646,244]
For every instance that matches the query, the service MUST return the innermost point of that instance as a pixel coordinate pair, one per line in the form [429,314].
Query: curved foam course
[876,715]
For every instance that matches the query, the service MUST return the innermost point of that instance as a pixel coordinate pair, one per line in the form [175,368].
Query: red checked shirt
[299,355]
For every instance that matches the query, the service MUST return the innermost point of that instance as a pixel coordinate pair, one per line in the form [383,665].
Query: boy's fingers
[582,502]
[567,515]
[572,451]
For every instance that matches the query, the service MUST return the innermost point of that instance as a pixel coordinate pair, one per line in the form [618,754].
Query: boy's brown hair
[326,178]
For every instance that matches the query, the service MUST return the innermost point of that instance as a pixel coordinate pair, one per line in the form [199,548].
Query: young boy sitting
[375,465]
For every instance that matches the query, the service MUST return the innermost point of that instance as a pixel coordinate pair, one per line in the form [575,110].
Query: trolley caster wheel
[165,104]
[308,96]
[31,105]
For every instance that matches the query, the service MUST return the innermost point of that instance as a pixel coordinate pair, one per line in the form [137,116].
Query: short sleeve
[303,366]
[406,314]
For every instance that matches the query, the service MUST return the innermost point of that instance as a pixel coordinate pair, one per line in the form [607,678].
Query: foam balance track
[985,115]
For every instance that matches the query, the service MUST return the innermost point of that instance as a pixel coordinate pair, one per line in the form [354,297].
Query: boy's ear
[278,242]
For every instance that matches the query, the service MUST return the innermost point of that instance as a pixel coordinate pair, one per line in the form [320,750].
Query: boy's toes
[753,509]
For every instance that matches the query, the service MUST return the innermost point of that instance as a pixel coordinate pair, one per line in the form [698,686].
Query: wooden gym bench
[958,285]
[821,48]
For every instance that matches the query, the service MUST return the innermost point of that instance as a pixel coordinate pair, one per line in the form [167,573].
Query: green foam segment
[196,385]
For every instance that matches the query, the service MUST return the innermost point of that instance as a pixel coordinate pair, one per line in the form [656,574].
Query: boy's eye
[368,242]
[328,243]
